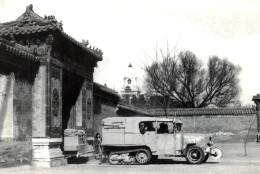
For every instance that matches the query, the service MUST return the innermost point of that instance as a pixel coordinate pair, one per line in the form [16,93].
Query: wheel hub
[113,159]
[194,155]
[141,157]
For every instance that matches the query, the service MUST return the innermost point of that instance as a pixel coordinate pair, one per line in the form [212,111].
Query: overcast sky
[127,30]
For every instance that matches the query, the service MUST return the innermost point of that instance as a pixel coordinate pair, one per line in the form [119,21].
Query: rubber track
[127,151]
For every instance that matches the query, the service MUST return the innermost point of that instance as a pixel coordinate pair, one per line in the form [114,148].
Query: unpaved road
[233,161]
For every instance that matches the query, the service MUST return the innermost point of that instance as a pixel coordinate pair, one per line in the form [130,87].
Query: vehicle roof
[142,118]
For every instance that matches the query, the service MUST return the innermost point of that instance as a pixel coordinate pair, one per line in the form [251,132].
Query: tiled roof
[29,22]
[94,51]
[256,97]
[12,49]
[138,111]
[203,111]
[106,89]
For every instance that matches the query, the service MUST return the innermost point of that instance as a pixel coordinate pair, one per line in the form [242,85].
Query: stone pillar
[47,152]
[39,103]
[256,99]
[47,117]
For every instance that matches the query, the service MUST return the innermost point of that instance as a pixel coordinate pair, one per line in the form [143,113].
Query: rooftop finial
[29,8]
[85,42]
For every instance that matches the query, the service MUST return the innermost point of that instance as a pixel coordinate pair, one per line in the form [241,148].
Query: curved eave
[18,52]
[27,30]
[107,90]
[49,28]
[79,44]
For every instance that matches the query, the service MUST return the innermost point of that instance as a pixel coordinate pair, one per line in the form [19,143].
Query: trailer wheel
[112,159]
[194,155]
[143,156]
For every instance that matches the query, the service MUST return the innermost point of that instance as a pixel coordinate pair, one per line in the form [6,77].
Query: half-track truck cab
[129,140]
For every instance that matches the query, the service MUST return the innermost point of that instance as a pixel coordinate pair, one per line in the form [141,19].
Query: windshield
[165,127]
[161,127]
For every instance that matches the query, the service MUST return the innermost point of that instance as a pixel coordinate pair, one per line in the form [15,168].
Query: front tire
[143,156]
[194,155]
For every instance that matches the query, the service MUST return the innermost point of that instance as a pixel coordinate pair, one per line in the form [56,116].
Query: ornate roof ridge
[29,9]
[29,22]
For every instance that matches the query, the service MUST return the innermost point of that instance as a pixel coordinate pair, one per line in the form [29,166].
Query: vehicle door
[148,130]
[165,138]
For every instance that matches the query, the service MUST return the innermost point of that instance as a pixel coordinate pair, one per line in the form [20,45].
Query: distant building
[130,88]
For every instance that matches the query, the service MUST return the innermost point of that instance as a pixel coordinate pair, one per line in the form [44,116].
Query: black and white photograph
[129,86]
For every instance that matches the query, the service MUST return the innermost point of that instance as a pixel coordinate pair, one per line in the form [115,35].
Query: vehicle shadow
[170,161]
[79,160]
[167,161]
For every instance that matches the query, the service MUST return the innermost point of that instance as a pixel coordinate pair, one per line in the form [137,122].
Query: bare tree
[161,77]
[182,79]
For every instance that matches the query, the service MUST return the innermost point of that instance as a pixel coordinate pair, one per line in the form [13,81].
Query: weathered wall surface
[106,111]
[16,120]
[15,108]
[6,106]
[22,110]
[226,128]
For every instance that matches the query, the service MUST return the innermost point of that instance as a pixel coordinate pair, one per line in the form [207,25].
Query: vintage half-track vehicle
[133,140]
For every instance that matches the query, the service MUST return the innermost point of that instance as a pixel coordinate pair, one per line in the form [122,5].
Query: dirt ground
[233,161]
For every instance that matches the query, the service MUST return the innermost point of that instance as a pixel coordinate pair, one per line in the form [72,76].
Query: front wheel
[143,156]
[194,155]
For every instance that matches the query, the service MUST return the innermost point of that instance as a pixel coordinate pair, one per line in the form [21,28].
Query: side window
[165,127]
[178,127]
[147,126]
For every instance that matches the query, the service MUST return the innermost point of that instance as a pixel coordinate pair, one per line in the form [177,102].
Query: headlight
[210,143]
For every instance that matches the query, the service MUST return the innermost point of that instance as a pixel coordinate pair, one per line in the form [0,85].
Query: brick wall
[226,128]
[106,111]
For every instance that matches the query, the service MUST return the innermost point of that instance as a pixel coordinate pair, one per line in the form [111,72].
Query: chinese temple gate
[46,84]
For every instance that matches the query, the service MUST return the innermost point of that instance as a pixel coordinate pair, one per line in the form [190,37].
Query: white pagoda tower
[131,87]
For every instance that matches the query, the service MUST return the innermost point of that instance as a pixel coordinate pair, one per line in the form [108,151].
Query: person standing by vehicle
[98,150]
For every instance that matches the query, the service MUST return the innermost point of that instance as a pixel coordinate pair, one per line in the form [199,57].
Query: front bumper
[215,152]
